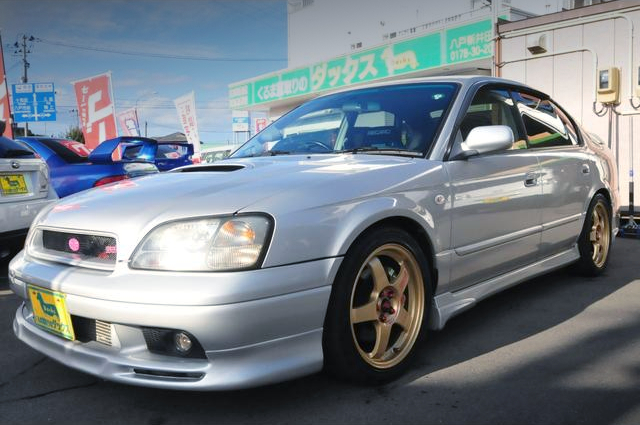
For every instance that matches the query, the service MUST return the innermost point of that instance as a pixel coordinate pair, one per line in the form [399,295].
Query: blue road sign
[34,102]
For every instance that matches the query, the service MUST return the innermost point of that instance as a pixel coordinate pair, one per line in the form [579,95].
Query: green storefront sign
[469,42]
[445,47]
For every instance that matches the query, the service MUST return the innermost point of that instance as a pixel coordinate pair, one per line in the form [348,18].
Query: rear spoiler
[104,152]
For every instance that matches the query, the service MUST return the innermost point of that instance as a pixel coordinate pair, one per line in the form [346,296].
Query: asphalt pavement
[558,349]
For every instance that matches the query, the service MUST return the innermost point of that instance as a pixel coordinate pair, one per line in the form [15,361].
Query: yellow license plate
[50,311]
[13,184]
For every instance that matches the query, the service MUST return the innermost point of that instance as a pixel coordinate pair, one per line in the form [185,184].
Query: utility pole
[153,93]
[22,48]
[75,111]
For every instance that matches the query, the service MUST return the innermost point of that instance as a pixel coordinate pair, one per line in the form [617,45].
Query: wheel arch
[614,214]
[604,191]
[416,231]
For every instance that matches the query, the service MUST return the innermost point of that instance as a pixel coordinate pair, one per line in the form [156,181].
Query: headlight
[206,244]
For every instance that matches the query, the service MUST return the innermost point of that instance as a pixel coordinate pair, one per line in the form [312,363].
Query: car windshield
[171,151]
[401,119]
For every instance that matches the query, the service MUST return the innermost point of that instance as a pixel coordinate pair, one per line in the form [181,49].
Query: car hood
[130,208]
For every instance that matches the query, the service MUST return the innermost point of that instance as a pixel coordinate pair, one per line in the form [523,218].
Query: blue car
[169,155]
[74,168]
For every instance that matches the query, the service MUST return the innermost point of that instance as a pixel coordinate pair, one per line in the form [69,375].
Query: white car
[24,190]
[334,238]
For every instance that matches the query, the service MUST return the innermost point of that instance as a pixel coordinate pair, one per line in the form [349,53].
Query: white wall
[327,28]
[569,78]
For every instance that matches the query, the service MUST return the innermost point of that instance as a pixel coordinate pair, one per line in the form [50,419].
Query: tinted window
[571,130]
[493,107]
[399,117]
[165,152]
[171,151]
[131,152]
[12,149]
[69,150]
[545,124]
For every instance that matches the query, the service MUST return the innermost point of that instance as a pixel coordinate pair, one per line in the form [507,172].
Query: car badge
[15,164]
[74,244]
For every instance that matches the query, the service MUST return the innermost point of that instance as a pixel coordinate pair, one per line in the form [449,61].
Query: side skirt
[449,304]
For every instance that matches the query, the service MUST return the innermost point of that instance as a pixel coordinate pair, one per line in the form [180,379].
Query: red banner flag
[96,110]
[5,112]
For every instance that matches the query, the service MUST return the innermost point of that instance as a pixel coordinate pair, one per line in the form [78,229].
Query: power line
[156,107]
[170,104]
[157,55]
[199,129]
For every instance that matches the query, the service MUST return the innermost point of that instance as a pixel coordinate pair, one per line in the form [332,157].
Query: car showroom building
[582,56]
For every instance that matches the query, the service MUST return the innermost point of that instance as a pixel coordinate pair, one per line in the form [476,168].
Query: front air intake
[167,374]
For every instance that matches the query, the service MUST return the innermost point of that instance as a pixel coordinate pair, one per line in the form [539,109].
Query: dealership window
[493,107]
[546,125]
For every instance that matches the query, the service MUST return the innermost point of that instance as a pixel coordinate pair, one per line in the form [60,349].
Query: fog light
[183,342]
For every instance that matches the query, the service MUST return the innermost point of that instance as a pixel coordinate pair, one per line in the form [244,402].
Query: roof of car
[465,80]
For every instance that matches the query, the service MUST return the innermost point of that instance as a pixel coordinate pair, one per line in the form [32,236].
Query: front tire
[594,242]
[378,308]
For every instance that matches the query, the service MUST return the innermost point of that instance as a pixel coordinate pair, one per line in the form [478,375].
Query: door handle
[530,179]
[585,169]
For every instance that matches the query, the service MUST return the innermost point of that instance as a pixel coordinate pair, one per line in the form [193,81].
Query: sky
[75,39]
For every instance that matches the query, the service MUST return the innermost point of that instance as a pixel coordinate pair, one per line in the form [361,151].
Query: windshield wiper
[375,149]
[273,153]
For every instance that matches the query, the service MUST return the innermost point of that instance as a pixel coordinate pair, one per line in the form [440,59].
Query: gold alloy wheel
[600,235]
[387,306]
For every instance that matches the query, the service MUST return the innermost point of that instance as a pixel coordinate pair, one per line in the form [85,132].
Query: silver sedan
[333,239]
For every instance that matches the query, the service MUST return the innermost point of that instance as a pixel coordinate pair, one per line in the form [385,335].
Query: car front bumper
[247,342]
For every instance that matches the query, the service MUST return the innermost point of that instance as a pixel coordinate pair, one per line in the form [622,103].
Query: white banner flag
[128,121]
[186,106]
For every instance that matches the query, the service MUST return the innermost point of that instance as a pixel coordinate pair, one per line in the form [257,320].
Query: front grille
[87,246]
[83,249]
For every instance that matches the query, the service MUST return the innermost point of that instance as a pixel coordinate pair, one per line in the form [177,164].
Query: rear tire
[594,242]
[378,308]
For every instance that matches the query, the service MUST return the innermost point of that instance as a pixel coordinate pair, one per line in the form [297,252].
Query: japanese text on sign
[34,102]
[459,44]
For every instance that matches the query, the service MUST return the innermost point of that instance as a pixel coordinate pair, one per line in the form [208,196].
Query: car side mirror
[3,125]
[486,139]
